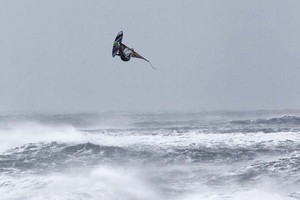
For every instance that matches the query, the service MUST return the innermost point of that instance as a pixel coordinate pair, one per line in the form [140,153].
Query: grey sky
[56,55]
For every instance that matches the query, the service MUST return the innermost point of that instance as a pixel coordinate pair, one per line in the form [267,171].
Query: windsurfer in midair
[125,52]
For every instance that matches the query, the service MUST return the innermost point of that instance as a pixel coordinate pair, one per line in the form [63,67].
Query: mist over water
[141,156]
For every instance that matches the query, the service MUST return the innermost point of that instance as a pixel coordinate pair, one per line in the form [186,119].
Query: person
[125,52]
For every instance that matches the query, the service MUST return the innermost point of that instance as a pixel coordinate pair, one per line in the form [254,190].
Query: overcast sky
[211,55]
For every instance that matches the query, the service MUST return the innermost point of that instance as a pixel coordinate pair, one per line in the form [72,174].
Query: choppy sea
[150,156]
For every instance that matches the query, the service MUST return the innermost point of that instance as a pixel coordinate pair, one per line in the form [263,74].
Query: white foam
[103,182]
[189,139]
[21,134]
[255,193]
[111,183]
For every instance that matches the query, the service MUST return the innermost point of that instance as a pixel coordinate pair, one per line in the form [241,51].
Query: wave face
[141,156]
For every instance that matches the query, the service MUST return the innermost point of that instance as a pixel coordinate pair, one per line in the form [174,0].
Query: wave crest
[286,119]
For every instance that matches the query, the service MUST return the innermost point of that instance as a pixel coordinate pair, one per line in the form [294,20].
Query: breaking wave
[149,156]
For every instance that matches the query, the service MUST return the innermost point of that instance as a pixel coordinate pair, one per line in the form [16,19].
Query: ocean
[151,156]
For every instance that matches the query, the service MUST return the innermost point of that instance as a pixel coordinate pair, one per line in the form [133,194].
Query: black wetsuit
[123,57]
[121,53]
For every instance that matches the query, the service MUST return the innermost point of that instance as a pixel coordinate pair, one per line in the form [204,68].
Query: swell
[284,120]
[57,156]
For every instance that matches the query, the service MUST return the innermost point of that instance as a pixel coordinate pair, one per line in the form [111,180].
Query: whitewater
[150,155]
